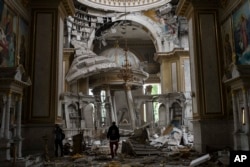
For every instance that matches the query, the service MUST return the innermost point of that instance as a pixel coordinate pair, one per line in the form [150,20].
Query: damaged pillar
[98,115]
[111,109]
[130,103]
[114,106]
[149,112]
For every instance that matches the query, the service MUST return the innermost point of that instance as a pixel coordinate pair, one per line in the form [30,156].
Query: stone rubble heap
[170,147]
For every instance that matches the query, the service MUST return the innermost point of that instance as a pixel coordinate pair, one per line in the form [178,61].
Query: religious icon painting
[8,32]
[241,31]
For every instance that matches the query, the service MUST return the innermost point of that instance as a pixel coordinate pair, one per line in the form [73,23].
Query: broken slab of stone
[200,160]
[135,148]
[171,136]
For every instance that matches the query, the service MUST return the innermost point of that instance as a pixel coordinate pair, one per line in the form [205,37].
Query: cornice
[68,50]
[227,10]
[69,6]
[20,8]
[175,52]
[184,7]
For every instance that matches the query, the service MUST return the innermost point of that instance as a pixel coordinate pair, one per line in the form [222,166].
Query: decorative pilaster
[235,113]
[245,111]
[7,125]
[19,119]
[47,26]
[205,57]
[7,118]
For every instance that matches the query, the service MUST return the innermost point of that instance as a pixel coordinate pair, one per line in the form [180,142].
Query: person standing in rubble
[114,137]
[59,136]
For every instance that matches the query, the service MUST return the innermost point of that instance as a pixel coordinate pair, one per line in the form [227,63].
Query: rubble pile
[144,143]
[145,147]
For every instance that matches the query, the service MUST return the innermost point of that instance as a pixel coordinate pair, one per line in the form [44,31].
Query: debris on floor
[144,147]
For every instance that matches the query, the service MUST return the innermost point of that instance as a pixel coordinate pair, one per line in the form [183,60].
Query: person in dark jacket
[114,137]
[59,136]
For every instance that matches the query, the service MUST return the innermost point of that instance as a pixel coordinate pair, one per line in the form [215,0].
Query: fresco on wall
[8,31]
[241,30]
[165,18]
[22,42]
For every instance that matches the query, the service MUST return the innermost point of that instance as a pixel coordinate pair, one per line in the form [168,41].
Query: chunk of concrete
[200,160]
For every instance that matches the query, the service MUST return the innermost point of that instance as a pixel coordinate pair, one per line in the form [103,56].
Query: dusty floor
[134,151]
[166,159]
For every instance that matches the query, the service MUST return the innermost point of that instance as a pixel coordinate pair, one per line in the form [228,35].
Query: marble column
[98,105]
[114,106]
[149,112]
[235,113]
[168,112]
[130,103]
[7,118]
[111,109]
[236,121]
[67,119]
[245,114]
[7,125]
[3,116]
[69,28]
[19,119]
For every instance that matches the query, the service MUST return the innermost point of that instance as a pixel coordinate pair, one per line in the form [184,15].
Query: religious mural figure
[241,27]
[8,39]
[243,33]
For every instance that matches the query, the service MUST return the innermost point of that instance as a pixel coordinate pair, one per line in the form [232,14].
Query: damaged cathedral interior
[172,74]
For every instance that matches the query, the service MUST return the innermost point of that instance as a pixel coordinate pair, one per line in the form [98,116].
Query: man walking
[114,137]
